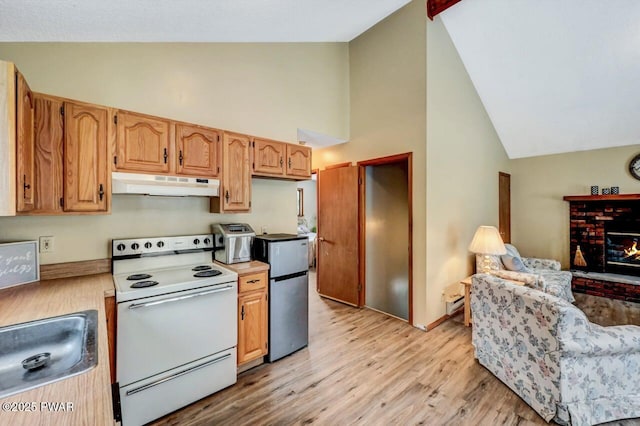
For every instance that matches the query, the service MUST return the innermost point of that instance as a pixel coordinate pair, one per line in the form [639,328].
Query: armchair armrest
[603,341]
[530,280]
[535,263]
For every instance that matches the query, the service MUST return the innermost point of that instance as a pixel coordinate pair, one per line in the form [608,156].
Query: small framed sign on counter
[19,263]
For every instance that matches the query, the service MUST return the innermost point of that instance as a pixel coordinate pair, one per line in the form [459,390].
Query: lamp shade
[487,240]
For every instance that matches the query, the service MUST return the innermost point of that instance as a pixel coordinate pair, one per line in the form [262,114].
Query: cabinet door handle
[242,313]
[253,281]
[101,191]
[226,195]
[180,157]
[25,186]
[165,156]
[289,162]
[281,162]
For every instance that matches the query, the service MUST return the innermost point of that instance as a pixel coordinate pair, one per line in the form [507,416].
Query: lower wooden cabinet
[253,310]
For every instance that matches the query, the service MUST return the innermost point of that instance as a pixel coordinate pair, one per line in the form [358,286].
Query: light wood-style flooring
[364,368]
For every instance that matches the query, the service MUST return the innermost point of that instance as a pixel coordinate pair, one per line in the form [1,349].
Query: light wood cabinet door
[298,161]
[252,325]
[25,146]
[235,191]
[268,157]
[49,141]
[198,150]
[142,143]
[85,158]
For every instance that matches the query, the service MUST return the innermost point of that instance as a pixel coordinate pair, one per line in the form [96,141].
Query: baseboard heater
[455,305]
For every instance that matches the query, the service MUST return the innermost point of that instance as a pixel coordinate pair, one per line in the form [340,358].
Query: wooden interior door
[337,257]
[504,206]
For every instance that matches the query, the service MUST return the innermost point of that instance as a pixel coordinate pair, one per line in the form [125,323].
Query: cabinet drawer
[252,282]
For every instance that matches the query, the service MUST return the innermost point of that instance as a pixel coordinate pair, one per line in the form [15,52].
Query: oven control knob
[207,241]
[148,245]
[196,241]
[135,246]
[121,247]
[160,244]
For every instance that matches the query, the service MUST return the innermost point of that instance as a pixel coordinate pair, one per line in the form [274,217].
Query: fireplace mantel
[620,197]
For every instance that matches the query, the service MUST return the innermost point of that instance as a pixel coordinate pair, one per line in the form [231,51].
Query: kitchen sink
[37,353]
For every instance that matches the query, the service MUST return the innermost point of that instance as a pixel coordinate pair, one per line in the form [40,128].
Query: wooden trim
[362,238]
[336,300]
[337,166]
[620,197]
[74,269]
[111,310]
[391,159]
[8,139]
[386,160]
[441,320]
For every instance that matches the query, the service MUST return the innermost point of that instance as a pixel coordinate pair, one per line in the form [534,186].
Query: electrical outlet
[263,229]
[46,244]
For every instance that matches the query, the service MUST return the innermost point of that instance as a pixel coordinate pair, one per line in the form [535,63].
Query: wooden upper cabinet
[198,150]
[49,140]
[268,157]
[235,190]
[86,185]
[142,143]
[298,161]
[25,146]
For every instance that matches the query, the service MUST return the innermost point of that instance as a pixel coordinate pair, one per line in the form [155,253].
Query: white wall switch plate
[46,244]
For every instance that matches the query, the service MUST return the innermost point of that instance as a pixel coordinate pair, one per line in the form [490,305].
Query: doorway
[365,245]
[306,200]
[386,237]
[504,206]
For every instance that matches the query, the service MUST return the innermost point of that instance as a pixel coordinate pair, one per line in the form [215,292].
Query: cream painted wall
[539,216]
[464,155]
[267,89]
[388,109]
[89,237]
[264,89]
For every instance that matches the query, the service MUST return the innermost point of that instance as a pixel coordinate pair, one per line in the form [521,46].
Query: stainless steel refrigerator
[287,256]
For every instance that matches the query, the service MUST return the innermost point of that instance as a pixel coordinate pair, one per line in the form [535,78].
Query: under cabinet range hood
[172,186]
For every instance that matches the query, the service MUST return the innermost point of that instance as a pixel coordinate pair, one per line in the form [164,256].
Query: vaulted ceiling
[191,20]
[554,76]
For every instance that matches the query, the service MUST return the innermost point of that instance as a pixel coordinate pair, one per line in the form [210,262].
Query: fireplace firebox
[622,252]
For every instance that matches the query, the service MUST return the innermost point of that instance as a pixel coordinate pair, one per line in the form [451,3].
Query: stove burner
[136,277]
[143,284]
[209,273]
[202,268]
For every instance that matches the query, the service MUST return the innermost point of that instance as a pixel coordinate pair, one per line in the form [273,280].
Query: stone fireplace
[607,229]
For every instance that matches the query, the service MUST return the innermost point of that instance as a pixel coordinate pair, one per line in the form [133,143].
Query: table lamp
[487,242]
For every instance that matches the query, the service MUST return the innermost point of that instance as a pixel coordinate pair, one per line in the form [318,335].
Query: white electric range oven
[177,324]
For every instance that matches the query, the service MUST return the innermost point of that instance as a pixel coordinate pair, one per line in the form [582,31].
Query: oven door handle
[177,299]
[176,375]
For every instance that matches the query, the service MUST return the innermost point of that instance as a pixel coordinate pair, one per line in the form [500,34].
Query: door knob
[320,239]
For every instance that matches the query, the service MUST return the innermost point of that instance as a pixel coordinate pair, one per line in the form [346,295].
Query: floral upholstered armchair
[546,350]
[543,274]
